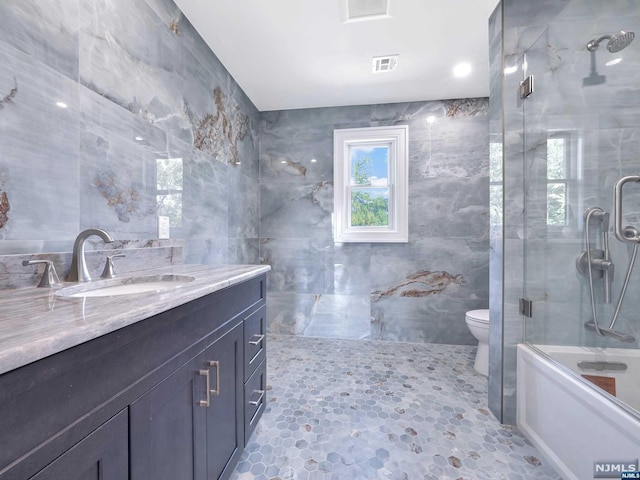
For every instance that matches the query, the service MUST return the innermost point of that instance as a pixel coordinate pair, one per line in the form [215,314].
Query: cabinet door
[225,416]
[167,427]
[102,455]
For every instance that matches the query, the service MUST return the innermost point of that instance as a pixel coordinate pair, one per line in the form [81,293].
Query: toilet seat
[478,316]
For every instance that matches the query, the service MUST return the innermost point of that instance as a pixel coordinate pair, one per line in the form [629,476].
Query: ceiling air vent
[361,10]
[387,63]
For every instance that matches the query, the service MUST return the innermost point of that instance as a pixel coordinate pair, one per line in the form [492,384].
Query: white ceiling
[289,54]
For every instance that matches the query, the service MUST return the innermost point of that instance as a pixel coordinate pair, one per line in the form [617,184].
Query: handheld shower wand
[624,234]
[595,260]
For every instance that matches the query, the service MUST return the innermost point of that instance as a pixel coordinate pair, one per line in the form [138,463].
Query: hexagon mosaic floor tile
[352,409]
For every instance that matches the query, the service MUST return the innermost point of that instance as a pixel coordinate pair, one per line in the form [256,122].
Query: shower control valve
[597,259]
[603,264]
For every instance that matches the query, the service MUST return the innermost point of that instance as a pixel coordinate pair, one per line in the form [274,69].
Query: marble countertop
[36,323]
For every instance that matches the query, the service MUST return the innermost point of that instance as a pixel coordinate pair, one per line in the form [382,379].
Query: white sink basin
[126,286]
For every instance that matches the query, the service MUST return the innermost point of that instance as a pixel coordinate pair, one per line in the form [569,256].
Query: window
[495,183]
[371,184]
[557,180]
[169,175]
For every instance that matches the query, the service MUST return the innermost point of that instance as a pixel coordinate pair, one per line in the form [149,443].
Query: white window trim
[398,230]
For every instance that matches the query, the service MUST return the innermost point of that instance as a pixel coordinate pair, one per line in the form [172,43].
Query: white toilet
[478,322]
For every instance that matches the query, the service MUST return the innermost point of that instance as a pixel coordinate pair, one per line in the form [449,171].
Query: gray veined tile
[48,32]
[38,149]
[300,211]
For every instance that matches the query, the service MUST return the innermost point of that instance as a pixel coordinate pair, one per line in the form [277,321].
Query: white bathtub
[570,422]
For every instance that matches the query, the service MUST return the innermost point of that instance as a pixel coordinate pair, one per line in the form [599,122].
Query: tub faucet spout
[79,271]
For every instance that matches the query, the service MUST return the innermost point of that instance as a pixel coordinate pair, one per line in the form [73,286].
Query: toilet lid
[479,315]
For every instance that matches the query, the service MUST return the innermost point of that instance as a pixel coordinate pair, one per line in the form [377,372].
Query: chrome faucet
[79,271]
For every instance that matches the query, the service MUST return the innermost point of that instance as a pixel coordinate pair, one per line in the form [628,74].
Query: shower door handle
[624,234]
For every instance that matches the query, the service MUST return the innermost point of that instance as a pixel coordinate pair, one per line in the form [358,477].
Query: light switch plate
[163,227]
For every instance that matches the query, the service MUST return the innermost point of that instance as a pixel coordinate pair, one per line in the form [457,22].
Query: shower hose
[632,262]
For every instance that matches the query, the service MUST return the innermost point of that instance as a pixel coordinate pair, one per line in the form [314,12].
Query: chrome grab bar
[624,234]
[602,366]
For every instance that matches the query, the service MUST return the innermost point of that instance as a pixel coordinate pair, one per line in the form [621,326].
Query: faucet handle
[49,276]
[109,270]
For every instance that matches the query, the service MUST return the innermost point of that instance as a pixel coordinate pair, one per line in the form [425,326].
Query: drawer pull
[256,402]
[216,363]
[256,339]
[205,403]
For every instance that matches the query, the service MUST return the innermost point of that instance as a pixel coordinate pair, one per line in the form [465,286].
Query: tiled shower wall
[417,291]
[92,94]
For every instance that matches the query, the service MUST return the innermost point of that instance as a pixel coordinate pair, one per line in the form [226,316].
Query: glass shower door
[581,135]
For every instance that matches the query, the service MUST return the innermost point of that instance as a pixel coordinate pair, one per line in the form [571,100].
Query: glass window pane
[370,207]
[495,204]
[369,164]
[495,162]
[556,154]
[171,206]
[169,174]
[556,204]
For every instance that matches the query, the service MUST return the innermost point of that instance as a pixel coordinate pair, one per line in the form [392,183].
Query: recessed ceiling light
[615,61]
[139,138]
[61,104]
[510,70]
[313,160]
[462,70]
[388,63]
[431,119]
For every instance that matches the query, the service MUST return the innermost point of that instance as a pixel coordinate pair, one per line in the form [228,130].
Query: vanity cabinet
[181,429]
[225,416]
[103,455]
[163,398]
[167,427]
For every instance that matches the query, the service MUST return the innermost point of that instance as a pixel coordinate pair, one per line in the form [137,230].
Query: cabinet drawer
[255,398]
[255,341]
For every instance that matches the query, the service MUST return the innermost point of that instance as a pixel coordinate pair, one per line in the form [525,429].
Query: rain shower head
[618,41]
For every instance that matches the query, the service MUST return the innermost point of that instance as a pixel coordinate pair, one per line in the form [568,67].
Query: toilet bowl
[478,323]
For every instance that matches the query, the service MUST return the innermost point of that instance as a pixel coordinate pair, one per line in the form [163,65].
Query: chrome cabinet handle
[207,402]
[626,234]
[256,339]
[216,391]
[256,402]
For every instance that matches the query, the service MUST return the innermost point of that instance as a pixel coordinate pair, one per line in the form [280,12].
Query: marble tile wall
[319,288]
[138,86]
[600,120]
